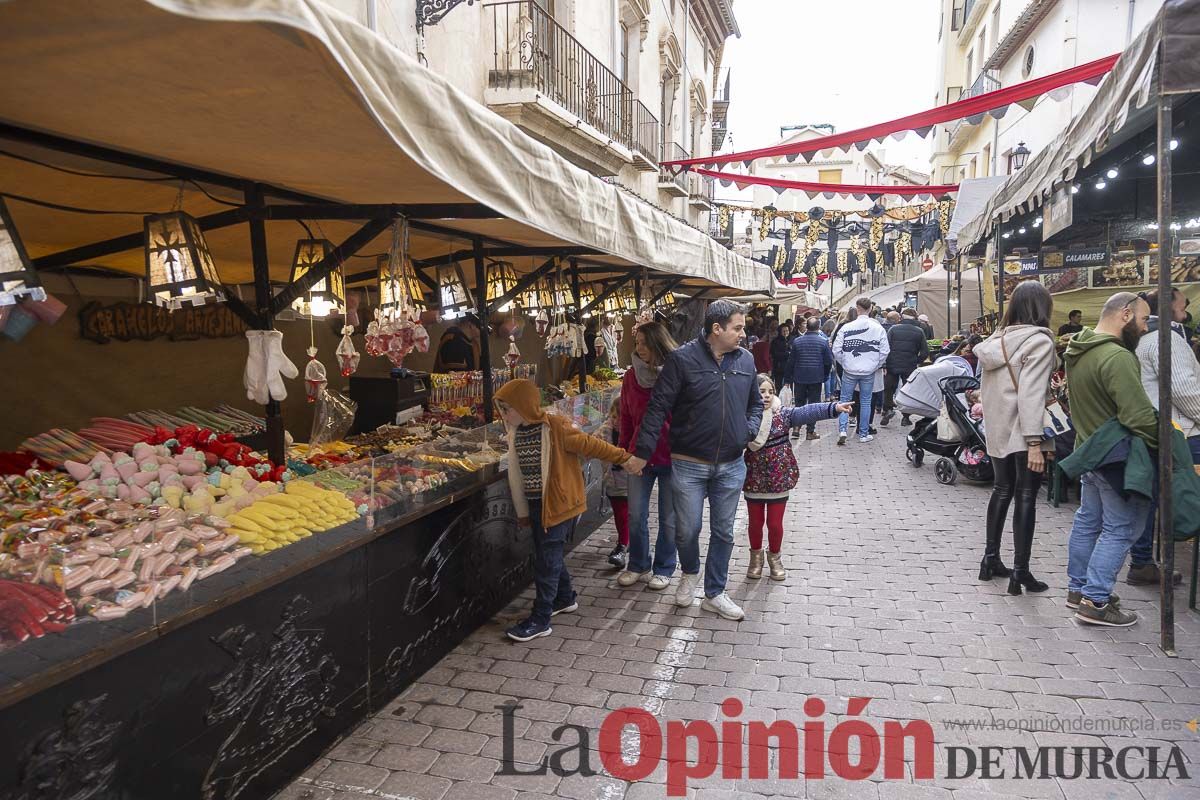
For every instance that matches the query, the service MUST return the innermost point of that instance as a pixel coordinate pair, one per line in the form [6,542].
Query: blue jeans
[865,384]
[550,574]
[722,485]
[1142,552]
[639,522]
[1105,527]
[831,384]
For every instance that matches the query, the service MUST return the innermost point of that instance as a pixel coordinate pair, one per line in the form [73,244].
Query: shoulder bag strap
[1012,376]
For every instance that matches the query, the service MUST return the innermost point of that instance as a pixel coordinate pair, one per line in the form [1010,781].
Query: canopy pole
[575,291]
[982,312]
[262,300]
[946,266]
[1166,527]
[958,288]
[999,273]
[485,350]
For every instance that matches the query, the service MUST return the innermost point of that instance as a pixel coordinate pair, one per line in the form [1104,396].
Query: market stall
[201,602]
[1109,206]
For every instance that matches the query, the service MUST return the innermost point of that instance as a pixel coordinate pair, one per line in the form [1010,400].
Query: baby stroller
[928,391]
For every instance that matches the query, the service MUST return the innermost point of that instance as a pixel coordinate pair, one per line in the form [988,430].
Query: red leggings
[770,511]
[620,507]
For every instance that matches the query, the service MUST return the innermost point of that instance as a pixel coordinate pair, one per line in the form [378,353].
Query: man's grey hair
[719,312]
[1118,303]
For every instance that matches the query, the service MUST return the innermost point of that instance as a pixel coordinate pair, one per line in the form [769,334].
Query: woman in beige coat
[1016,361]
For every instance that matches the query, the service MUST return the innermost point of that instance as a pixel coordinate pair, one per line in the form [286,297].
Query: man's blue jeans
[1105,527]
[865,384]
[639,522]
[1142,552]
[722,485]
[550,574]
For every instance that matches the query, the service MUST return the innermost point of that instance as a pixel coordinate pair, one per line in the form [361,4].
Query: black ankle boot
[1024,578]
[992,567]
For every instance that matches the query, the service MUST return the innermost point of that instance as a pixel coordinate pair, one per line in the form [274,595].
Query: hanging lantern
[179,267]
[501,278]
[328,295]
[564,298]
[629,301]
[453,296]
[17,276]
[586,297]
[392,284]
[667,302]
[537,297]
[612,304]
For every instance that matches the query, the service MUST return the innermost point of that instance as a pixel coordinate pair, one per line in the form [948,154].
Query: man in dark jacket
[910,349]
[709,388]
[811,362]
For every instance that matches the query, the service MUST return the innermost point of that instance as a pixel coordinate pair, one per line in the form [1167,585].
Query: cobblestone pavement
[881,601]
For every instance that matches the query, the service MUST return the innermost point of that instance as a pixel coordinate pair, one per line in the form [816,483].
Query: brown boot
[756,565]
[775,562]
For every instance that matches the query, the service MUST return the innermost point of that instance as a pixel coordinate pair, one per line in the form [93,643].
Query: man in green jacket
[1104,381]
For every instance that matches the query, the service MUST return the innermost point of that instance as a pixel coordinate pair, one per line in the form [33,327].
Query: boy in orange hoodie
[545,474]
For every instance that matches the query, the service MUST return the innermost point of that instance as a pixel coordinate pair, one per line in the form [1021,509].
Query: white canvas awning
[293,94]
[1118,110]
[931,298]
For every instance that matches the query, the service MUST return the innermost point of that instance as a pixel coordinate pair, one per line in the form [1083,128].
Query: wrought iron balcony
[701,190]
[986,81]
[532,51]
[673,184]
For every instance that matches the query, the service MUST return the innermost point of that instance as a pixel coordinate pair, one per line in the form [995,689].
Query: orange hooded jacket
[564,448]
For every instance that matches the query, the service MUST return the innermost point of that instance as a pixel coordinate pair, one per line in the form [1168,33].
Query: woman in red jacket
[652,344]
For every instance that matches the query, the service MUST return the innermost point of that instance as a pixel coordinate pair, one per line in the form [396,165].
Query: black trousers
[1013,479]
[805,393]
[892,382]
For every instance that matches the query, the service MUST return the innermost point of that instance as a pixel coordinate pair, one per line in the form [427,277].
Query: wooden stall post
[253,193]
[574,262]
[485,350]
[1166,527]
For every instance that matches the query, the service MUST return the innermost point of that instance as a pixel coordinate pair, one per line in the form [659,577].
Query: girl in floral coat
[772,473]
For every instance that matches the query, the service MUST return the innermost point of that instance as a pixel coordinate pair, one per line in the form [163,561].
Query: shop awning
[972,199]
[1119,109]
[293,94]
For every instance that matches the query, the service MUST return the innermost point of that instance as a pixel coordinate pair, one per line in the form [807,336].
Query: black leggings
[1013,477]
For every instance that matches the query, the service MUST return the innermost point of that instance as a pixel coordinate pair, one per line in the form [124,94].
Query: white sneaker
[686,590]
[658,583]
[865,439]
[629,578]
[722,604]
[842,437]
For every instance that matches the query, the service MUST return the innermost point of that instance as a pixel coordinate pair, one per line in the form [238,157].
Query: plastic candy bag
[332,417]
[315,377]
[348,357]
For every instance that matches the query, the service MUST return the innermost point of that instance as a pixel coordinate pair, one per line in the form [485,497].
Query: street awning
[1119,109]
[293,94]
[973,197]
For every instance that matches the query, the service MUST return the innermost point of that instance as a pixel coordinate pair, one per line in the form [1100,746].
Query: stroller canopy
[922,394]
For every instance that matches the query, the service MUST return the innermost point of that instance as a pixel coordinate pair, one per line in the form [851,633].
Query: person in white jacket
[1185,411]
[861,347]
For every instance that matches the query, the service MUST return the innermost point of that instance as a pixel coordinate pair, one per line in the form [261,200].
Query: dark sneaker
[842,438]
[873,431]
[565,608]
[527,630]
[905,421]
[812,436]
[1109,614]
[617,556]
[1073,599]
[886,419]
[1149,574]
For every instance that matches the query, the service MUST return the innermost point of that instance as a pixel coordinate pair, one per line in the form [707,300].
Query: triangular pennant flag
[779,189]
[829,195]
[748,163]
[1093,81]
[862,145]
[1060,94]
[812,195]
[726,183]
[859,196]
[923,132]
[974,119]
[899,136]
[791,157]
[808,156]
[1028,104]
[998,113]
[741,185]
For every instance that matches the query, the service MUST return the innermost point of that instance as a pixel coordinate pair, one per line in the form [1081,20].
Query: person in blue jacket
[812,361]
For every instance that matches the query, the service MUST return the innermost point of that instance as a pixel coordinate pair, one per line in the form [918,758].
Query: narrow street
[881,601]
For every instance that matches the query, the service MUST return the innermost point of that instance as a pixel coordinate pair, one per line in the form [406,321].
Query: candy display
[280,519]
[58,446]
[30,609]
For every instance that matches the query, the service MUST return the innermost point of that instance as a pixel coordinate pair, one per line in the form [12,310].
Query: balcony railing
[645,132]
[678,181]
[701,190]
[532,50]
[986,81]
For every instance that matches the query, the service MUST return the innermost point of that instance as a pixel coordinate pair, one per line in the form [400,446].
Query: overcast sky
[849,63]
